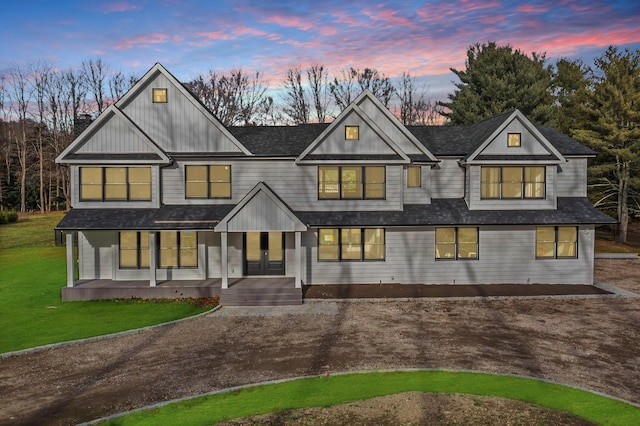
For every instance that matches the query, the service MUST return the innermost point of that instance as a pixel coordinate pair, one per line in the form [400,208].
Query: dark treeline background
[598,104]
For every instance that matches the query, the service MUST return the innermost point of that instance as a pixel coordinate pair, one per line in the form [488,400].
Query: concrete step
[260,297]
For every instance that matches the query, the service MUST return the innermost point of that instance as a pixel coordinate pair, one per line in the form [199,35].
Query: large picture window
[134,250]
[351,182]
[554,242]
[208,181]
[178,249]
[456,243]
[351,244]
[512,182]
[115,183]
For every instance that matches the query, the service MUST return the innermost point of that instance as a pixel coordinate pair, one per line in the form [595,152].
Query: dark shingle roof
[461,141]
[448,212]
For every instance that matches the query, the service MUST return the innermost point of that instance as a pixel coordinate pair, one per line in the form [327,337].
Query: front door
[264,253]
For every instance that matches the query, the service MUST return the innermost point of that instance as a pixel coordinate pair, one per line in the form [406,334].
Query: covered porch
[239,292]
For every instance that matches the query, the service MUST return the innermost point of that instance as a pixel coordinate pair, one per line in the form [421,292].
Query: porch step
[260,296]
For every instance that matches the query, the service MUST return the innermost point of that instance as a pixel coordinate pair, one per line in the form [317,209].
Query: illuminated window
[352,133]
[512,182]
[159,96]
[414,177]
[556,242]
[212,181]
[134,250]
[351,182]
[513,140]
[115,183]
[456,243]
[178,249]
[351,244]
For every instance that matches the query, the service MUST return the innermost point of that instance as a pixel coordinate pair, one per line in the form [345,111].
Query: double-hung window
[456,243]
[556,242]
[115,183]
[208,181]
[511,182]
[351,182]
[178,249]
[134,250]
[351,244]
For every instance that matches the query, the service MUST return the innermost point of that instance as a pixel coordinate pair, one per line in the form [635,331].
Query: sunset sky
[190,37]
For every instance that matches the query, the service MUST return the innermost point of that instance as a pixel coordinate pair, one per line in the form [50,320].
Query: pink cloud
[215,35]
[388,18]
[531,8]
[119,6]
[141,40]
[493,19]
[289,22]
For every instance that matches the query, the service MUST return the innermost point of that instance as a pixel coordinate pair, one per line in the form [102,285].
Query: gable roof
[274,213]
[137,148]
[158,69]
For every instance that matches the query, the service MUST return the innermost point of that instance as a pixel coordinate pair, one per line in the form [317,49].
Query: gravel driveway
[589,342]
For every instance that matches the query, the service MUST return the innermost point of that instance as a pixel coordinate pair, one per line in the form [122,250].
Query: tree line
[598,105]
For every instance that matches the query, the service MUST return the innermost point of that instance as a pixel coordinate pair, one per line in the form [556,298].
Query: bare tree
[20,99]
[350,82]
[95,73]
[41,81]
[344,87]
[296,104]
[377,83]
[318,85]
[415,107]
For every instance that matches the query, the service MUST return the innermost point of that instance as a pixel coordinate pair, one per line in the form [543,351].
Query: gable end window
[512,182]
[115,183]
[352,133]
[556,242]
[212,181]
[351,182]
[351,244]
[514,140]
[456,243]
[414,177]
[160,96]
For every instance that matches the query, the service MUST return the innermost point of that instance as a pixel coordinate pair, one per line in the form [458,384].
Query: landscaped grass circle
[330,390]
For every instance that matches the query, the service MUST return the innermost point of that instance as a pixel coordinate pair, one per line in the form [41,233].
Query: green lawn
[340,389]
[32,272]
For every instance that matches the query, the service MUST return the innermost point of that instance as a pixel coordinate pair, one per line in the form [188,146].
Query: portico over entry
[264,221]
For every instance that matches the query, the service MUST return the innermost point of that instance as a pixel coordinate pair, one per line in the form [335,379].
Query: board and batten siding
[447,179]
[297,185]
[178,125]
[95,254]
[529,144]
[369,143]
[75,195]
[506,256]
[476,203]
[389,128]
[115,137]
[572,180]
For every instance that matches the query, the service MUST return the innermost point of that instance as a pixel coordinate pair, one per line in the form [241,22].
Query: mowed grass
[341,389]
[32,272]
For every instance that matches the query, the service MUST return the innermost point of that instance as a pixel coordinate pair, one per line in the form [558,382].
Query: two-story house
[167,202]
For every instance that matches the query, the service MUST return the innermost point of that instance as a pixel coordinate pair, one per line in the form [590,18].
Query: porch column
[298,259]
[70,259]
[152,259]
[224,260]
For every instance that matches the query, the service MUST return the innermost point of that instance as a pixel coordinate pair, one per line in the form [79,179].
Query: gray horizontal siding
[178,125]
[447,180]
[475,203]
[75,195]
[506,255]
[529,144]
[572,181]
[388,127]
[95,254]
[296,185]
[419,195]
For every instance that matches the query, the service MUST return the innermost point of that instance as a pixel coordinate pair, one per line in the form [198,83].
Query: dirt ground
[586,342]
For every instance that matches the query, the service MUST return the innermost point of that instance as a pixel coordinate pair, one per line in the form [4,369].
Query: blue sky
[190,37]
